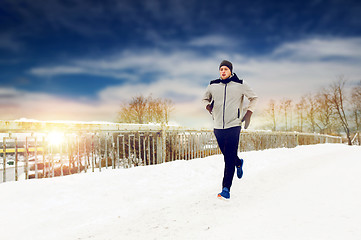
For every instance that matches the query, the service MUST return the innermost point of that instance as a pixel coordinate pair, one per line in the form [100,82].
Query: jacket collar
[232,78]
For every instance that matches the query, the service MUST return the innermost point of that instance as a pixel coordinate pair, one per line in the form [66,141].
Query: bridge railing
[49,149]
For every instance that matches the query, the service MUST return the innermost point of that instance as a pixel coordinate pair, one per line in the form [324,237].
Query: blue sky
[78,60]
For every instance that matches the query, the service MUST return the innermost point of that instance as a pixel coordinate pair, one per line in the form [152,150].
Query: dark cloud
[83,26]
[42,34]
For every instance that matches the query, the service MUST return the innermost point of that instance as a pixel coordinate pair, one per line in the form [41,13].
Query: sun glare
[56,138]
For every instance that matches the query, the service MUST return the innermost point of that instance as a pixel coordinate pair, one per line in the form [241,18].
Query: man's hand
[247,119]
[209,107]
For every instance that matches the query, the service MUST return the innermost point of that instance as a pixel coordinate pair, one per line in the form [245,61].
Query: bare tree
[311,109]
[145,110]
[338,100]
[324,114]
[300,111]
[125,114]
[139,107]
[156,106]
[356,108]
[285,107]
[162,109]
[271,113]
[168,107]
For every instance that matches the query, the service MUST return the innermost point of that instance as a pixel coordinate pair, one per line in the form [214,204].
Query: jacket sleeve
[207,97]
[251,96]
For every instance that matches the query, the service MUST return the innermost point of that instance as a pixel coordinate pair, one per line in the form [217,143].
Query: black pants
[228,140]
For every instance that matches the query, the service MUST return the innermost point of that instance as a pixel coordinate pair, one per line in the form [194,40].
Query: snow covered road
[308,192]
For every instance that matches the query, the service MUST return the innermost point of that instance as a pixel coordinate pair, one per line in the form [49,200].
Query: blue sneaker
[239,170]
[224,194]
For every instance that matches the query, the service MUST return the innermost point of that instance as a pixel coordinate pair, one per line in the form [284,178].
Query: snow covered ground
[308,192]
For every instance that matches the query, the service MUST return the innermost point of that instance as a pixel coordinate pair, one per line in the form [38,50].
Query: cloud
[81,16]
[8,42]
[319,49]
[138,65]
[293,69]
[106,18]
[57,70]
[214,41]
[179,90]
[16,104]
[145,65]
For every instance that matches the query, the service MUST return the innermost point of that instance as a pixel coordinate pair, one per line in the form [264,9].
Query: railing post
[51,160]
[118,151]
[164,144]
[161,146]
[26,167]
[4,159]
[106,150]
[61,159]
[44,158]
[123,147]
[16,160]
[77,139]
[5,156]
[100,153]
[92,151]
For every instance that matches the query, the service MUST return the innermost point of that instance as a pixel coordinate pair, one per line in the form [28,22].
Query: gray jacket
[227,99]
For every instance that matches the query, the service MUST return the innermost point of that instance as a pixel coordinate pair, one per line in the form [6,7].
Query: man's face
[225,72]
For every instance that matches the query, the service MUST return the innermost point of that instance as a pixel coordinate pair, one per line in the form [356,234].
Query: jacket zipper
[224,102]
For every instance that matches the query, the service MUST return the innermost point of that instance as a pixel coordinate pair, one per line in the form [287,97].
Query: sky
[286,193]
[79,60]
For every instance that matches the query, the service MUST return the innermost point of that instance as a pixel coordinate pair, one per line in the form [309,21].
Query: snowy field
[308,192]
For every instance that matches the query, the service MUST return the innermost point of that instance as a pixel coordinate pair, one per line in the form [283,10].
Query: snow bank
[308,192]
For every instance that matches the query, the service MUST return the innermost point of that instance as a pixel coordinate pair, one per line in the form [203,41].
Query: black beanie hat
[227,64]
